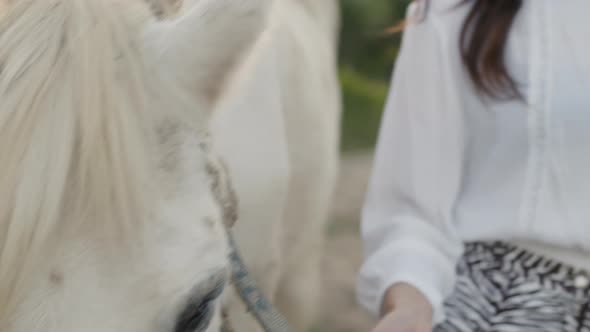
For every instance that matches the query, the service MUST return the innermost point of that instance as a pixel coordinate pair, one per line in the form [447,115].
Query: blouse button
[581,281]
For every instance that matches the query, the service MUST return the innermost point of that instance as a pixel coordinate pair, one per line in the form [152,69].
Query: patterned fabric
[503,288]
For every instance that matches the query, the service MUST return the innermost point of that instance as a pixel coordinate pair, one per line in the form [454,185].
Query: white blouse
[453,167]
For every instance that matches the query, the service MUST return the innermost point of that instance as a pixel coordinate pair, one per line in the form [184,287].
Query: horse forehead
[164,8]
[85,286]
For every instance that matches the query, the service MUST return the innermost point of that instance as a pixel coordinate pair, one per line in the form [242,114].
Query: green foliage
[363,100]
[364,44]
[367,55]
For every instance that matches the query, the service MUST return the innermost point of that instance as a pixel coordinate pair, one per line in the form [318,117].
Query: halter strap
[258,305]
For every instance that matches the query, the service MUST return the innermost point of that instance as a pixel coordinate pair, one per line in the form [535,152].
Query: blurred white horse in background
[110,201]
[277,127]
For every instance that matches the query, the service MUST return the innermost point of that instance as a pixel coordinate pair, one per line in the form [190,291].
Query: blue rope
[258,305]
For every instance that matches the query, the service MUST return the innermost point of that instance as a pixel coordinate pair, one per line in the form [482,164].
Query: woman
[478,215]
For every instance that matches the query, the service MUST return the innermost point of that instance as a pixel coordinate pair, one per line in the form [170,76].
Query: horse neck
[325,12]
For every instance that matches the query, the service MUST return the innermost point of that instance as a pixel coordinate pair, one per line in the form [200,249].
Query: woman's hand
[405,309]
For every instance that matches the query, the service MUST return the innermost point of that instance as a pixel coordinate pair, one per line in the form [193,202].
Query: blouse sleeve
[407,223]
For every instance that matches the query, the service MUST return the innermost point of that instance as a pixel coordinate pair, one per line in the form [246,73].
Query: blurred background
[367,56]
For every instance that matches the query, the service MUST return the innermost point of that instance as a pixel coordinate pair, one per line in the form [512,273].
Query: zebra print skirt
[503,288]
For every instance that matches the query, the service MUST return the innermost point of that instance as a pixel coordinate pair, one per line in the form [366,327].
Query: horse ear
[200,47]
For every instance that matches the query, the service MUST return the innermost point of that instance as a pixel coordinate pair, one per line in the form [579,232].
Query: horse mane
[73,128]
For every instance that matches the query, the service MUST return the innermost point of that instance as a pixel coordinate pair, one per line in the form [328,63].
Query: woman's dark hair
[483,43]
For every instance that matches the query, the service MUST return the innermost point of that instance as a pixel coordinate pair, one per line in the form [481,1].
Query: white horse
[277,126]
[110,202]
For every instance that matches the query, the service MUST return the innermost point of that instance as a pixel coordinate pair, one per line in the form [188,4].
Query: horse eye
[198,313]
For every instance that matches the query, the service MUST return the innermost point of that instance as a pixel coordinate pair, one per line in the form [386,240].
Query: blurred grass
[366,59]
[364,99]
